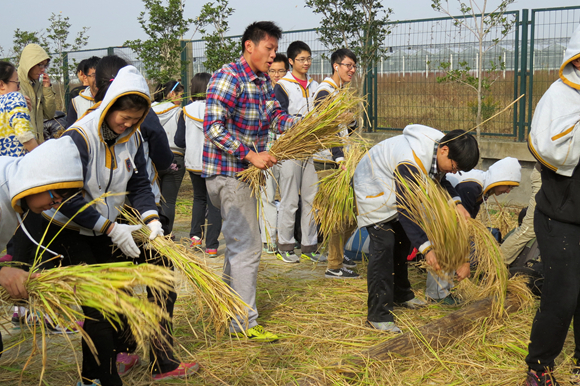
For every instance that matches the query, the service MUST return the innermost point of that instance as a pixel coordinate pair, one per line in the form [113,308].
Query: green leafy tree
[161,53]
[219,49]
[480,22]
[23,38]
[359,25]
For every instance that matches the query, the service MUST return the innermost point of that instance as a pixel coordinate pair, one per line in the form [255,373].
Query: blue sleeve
[281,97]
[179,138]
[470,193]
[159,150]
[139,187]
[71,115]
[414,232]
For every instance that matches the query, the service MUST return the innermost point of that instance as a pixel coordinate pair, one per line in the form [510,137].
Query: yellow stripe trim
[537,156]
[134,128]
[565,132]
[501,183]
[190,117]
[40,189]
[561,73]
[377,195]
[82,133]
[164,111]
[419,162]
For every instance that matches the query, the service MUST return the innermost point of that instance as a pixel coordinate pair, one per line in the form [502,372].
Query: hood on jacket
[128,81]
[422,140]
[56,164]
[31,55]
[165,111]
[506,171]
[568,73]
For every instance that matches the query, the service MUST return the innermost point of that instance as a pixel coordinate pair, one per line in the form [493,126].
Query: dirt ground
[320,321]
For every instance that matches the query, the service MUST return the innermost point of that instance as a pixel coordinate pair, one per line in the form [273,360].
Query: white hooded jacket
[194,137]
[168,114]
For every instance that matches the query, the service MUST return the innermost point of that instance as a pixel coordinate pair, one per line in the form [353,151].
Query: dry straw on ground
[318,130]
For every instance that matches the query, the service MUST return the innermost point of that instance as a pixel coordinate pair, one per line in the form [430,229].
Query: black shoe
[341,273]
[348,263]
[541,379]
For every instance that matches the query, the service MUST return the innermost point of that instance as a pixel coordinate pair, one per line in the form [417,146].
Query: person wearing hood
[35,84]
[167,106]
[420,151]
[474,188]
[33,183]
[553,140]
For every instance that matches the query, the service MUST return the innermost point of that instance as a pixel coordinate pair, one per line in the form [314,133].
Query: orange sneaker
[211,252]
[195,242]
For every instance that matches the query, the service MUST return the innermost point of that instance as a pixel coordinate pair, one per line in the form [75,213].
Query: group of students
[120,140]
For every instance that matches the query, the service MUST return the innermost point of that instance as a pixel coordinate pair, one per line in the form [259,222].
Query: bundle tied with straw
[318,130]
[453,238]
[333,206]
[215,299]
[57,294]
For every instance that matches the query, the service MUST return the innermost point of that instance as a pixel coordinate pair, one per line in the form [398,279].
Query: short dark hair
[257,31]
[81,66]
[67,192]
[90,63]
[106,70]
[338,56]
[463,149]
[129,102]
[199,86]
[282,58]
[6,71]
[296,48]
[162,91]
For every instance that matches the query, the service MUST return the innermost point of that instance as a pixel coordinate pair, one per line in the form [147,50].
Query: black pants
[20,247]
[387,275]
[169,183]
[201,204]
[559,244]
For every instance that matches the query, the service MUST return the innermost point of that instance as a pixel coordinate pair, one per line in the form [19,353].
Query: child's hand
[431,259]
[463,272]
[461,209]
[13,279]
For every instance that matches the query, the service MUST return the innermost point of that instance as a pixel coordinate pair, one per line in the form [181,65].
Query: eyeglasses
[277,72]
[349,66]
[13,81]
[55,201]
[91,75]
[303,60]
[43,66]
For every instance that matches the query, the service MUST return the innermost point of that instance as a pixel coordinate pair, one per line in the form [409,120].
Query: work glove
[122,237]
[156,229]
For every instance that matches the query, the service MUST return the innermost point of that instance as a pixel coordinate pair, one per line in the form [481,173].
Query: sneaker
[211,252]
[96,382]
[385,326]
[348,263]
[126,362]
[449,300]
[195,242]
[258,334]
[541,379]
[184,370]
[287,256]
[314,257]
[413,303]
[341,273]
[270,248]
[52,328]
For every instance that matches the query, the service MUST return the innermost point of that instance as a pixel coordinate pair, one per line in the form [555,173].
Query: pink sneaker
[5,258]
[195,242]
[184,370]
[125,362]
[211,252]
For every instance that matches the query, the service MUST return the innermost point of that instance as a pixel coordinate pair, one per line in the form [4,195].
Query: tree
[480,24]
[359,25]
[219,50]
[23,38]
[161,53]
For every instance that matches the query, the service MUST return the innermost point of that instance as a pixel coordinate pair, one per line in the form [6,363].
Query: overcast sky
[112,22]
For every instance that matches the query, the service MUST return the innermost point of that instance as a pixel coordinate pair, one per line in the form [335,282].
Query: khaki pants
[516,242]
[336,247]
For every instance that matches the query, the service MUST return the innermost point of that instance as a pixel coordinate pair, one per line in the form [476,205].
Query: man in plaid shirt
[240,111]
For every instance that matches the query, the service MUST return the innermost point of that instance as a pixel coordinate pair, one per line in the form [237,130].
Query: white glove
[122,237]
[156,229]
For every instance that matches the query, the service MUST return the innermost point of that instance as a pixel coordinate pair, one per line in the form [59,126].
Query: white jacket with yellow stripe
[194,137]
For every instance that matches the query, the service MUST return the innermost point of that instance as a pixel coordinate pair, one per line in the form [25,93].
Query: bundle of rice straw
[451,235]
[215,298]
[333,205]
[59,293]
[318,130]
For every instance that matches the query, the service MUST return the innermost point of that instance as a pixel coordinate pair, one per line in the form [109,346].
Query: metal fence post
[111,51]
[523,76]
[184,68]
[65,79]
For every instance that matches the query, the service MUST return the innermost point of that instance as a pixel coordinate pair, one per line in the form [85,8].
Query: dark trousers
[20,247]
[387,275]
[169,183]
[559,245]
[201,204]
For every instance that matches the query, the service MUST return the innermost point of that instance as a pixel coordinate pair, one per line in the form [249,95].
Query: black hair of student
[257,31]
[81,66]
[162,90]
[91,62]
[130,102]
[463,149]
[338,56]
[6,71]
[105,71]
[282,58]
[295,48]
[199,86]
[66,193]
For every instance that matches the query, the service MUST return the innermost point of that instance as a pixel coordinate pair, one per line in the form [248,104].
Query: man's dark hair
[81,66]
[90,63]
[282,58]
[463,149]
[105,72]
[295,48]
[257,31]
[338,56]
[199,86]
